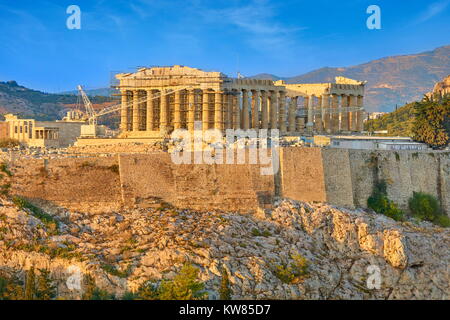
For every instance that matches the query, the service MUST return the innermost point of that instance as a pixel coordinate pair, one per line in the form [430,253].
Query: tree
[45,289]
[30,287]
[225,290]
[184,286]
[432,122]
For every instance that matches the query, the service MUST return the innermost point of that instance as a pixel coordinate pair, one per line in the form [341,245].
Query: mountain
[268,76]
[392,81]
[18,99]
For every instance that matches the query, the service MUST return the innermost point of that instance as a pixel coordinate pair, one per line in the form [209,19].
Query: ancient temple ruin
[157,100]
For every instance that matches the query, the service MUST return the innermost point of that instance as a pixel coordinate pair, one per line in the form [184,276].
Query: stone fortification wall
[337,176]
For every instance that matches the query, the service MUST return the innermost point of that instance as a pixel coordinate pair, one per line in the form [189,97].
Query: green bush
[380,203]
[184,286]
[293,273]
[4,169]
[426,207]
[442,220]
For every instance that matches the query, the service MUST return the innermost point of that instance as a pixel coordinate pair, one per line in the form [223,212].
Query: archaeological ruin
[157,100]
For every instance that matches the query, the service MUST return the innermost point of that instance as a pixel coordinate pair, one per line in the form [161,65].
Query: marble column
[191,110]
[236,111]
[150,114]
[318,120]
[218,112]
[360,114]
[264,111]
[292,114]
[135,110]
[334,113]
[326,115]
[255,109]
[205,110]
[282,112]
[177,110]
[352,114]
[245,111]
[310,118]
[344,113]
[123,111]
[273,110]
[300,125]
[163,114]
[229,98]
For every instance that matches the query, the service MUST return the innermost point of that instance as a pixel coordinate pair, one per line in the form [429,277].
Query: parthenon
[157,100]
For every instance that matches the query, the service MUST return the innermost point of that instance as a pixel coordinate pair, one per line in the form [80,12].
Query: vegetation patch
[380,203]
[4,169]
[50,222]
[293,273]
[426,207]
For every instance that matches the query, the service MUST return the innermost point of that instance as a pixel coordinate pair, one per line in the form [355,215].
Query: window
[15,129]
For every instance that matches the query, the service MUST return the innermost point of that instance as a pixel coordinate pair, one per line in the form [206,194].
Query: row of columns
[333,113]
[164,110]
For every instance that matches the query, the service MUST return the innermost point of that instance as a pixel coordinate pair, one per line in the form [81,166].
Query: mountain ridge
[392,80]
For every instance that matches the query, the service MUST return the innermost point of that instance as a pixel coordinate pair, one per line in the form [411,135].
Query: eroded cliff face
[345,250]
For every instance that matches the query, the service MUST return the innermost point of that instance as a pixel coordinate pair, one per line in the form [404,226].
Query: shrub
[380,203]
[4,169]
[424,206]
[184,286]
[148,291]
[293,273]
[442,220]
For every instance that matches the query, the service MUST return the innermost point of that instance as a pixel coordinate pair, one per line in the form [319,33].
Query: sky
[285,38]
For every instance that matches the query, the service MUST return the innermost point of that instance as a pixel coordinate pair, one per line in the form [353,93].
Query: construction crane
[88,106]
[92,115]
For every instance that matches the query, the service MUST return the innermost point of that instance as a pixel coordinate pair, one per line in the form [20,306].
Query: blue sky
[285,38]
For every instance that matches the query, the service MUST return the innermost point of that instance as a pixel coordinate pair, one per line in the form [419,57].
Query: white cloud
[433,9]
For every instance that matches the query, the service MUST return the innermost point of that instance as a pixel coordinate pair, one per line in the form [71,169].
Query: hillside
[397,123]
[392,80]
[18,99]
[295,251]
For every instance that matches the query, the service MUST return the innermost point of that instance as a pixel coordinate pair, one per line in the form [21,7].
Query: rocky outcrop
[347,251]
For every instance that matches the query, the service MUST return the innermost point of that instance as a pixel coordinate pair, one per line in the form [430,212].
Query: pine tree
[45,289]
[30,286]
[225,290]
